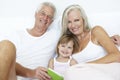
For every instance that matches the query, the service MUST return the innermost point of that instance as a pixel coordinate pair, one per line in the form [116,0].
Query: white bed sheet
[93,72]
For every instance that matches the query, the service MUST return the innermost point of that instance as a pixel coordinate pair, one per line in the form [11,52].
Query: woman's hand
[116,39]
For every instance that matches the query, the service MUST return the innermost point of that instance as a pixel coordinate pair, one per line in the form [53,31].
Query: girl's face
[66,49]
[75,22]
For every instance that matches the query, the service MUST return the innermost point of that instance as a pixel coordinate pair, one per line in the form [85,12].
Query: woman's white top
[89,53]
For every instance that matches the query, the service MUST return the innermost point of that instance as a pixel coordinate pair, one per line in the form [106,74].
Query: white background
[19,14]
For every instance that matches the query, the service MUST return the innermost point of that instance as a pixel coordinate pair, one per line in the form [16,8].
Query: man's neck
[35,32]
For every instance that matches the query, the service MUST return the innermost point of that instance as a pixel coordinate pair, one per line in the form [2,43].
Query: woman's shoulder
[97,33]
[97,29]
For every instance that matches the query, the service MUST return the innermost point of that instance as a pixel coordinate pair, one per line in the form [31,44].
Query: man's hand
[116,39]
[41,73]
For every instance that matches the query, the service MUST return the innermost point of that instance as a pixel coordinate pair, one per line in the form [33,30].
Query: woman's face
[75,22]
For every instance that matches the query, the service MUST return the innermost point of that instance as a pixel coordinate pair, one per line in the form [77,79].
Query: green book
[55,75]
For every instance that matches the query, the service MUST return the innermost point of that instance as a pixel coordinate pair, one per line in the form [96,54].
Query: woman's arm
[113,54]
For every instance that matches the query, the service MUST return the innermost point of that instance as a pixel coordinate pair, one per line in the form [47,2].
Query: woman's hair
[67,38]
[49,4]
[65,15]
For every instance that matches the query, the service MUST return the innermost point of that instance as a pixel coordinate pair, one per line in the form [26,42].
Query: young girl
[67,45]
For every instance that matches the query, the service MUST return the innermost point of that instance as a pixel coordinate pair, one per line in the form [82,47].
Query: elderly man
[26,53]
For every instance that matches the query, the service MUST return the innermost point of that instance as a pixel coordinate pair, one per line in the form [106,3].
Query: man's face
[44,17]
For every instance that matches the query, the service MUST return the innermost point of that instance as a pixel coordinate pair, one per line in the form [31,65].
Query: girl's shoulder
[73,62]
[51,60]
[51,63]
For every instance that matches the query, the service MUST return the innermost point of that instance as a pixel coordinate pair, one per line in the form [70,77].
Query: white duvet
[82,71]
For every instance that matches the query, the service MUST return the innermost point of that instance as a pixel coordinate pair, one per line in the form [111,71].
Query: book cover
[54,75]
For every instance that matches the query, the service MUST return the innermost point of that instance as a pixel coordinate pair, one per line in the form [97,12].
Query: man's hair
[49,4]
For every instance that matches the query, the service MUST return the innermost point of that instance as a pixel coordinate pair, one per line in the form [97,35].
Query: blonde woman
[96,48]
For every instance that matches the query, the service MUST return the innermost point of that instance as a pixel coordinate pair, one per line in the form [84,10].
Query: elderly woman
[95,47]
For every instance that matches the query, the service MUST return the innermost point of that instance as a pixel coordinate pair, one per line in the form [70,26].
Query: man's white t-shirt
[32,52]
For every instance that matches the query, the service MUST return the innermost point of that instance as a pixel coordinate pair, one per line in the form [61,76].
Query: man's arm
[22,71]
[38,73]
